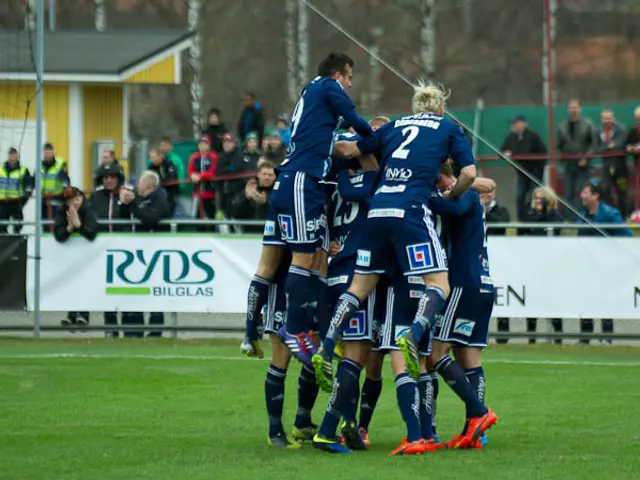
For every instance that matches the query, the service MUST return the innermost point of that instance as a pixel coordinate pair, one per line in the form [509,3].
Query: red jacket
[205,166]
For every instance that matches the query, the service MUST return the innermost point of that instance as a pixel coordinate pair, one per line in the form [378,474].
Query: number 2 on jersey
[402,152]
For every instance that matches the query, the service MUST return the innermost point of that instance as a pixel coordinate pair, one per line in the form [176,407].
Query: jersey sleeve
[356,193]
[372,144]
[459,148]
[457,207]
[344,106]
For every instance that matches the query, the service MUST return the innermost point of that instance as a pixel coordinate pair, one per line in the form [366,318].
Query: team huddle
[373,246]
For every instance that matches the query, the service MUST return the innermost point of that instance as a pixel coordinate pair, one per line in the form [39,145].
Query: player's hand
[583,162]
[195,178]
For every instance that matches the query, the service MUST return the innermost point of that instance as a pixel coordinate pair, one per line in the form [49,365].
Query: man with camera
[251,204]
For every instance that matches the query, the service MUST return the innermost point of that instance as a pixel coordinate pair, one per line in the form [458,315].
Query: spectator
[495,213]
[16,185]
[232,162]
[75,216]
[251,118]
[215,129]
[283,130]
[108,158]
[524,141]
[105,204]
[251,152]
[166,148]
[252,203]
[544,209]
[576,136]
[611,137]
[632,143]
[149,206]
[597,211]
[168,174]
[54,181]
[202,168]
[275,150]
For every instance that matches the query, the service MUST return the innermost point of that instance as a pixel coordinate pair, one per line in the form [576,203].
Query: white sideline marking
[240,358]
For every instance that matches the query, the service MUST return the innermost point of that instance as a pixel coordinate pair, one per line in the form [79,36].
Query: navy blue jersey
[348,210]
[466,240]
[322,108]
[412,150]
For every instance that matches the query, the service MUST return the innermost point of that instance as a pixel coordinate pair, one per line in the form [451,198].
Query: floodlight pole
[39,54]
[548,74]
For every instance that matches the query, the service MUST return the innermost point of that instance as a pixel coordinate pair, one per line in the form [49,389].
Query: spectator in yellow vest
[16,184]
[54,180]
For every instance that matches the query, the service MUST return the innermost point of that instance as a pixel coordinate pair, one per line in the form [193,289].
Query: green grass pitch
[193,410]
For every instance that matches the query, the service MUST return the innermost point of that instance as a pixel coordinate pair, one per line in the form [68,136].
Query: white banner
[545,277]
[143,273]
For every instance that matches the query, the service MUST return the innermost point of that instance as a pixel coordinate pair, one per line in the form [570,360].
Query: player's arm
[368,162]
[483,185]
[456,207]
[343,106]
[352,193]
[461,154]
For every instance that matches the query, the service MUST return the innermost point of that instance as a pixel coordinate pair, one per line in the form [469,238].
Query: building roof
[114,53]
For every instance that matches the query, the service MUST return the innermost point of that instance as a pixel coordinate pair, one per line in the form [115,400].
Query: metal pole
[39,141]
[52,15]
[477,124]
[549,93]
[303,44]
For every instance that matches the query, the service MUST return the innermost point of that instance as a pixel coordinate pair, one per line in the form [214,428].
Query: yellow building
[86,80]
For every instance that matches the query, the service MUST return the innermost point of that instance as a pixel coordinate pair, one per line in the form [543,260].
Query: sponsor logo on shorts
[286,226]
[356,325]
[416,280]
[400,330]
[419,256]
[464,327]
[317,224]
[364,258]
[269,228]
[415,293]
[333,281]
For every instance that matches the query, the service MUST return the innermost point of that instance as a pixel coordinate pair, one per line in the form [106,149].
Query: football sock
[477,382]
[307,394]
[425,388]
[370,394]
[298,290]
[351,409]
[346,306]
[343,398]
[409,404]
[274,396]
[454,375]
[322,315]
[256,299]
[433,376]
[431,304]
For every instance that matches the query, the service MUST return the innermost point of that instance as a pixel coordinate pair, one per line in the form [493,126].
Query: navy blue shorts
[361,326]
[465,320]
[404,239]
[300,203]
[402,299]
[276,307]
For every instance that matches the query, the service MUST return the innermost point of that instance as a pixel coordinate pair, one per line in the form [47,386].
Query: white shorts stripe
[438,251]
[298,207]
[449,313]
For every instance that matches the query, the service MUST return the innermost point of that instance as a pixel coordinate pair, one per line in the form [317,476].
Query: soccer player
[299,198]
[399,234]
[465,321]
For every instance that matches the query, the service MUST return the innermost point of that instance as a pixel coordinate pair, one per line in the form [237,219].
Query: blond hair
[429,97]
[379,121]
[548,194]
[151,179]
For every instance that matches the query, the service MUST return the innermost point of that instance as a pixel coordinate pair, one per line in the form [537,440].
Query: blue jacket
[605,214]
